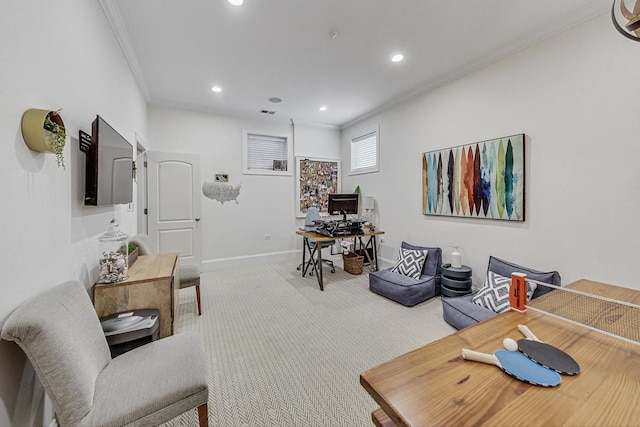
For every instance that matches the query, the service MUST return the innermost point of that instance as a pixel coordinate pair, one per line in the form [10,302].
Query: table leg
[310,263]
[316,265]
[305,243]
[319,266]
[381,419]
[365,248]
[375,252]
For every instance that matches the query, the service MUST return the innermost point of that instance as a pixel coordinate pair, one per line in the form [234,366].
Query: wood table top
[321,237]
[147,267]
[433,385]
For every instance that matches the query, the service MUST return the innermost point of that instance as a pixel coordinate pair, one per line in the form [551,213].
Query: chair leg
[198,299]
[203,415]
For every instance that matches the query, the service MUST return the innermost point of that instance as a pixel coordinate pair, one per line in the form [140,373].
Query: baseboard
[217,264]
[385,263]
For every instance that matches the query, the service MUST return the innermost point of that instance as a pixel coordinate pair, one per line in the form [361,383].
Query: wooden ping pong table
[434,386]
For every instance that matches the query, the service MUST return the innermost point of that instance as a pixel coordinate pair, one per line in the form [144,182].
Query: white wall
[575,97]
[54,55]
[236,232]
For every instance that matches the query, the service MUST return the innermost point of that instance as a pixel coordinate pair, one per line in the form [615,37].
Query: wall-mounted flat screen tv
[109,167]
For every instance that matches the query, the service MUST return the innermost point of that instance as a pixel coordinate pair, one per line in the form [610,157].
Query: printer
[130,329]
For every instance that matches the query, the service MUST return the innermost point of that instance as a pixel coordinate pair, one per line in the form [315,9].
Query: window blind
[262,150]
[364,152]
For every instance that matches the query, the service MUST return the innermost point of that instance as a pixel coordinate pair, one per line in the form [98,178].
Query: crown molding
[113,15]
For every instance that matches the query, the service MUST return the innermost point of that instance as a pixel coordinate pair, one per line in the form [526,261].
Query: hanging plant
[44,131]
[59,136]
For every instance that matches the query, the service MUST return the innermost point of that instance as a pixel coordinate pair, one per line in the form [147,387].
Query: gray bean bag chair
[461,312]
[406,290]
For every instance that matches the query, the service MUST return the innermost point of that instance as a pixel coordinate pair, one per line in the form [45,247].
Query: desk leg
[310,263]
[371,243]
[316,265]
[304,253]
[319,266]
[375,252]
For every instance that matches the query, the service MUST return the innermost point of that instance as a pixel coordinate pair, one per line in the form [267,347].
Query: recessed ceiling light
[323,108]
[236,2]
[275,99]
[397,57]
[216,89]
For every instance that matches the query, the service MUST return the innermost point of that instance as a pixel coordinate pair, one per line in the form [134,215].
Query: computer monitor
[343,204]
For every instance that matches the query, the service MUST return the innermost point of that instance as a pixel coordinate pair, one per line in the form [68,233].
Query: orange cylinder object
[518,291]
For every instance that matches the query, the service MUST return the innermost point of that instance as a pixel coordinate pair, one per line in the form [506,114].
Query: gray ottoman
[405,290]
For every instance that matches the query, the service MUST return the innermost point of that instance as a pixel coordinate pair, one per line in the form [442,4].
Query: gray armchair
[189,273]
[406,290]
[461,312]
[61,335]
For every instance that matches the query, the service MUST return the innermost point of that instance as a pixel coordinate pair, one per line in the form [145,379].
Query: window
[364,153]
[266,154]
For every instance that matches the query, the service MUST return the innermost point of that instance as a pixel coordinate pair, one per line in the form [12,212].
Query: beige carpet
[282,353]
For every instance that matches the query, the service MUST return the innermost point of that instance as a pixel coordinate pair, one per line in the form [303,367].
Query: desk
[316,266]
[433,385]
[153,282]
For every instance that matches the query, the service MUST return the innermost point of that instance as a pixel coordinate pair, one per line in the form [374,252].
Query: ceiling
[313,53]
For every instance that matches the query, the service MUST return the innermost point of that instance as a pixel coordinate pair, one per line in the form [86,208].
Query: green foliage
[59,138]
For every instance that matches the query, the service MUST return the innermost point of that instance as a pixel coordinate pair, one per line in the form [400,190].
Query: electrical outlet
[382,240]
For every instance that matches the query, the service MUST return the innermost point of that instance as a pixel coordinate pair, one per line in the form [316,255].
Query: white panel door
[174,204]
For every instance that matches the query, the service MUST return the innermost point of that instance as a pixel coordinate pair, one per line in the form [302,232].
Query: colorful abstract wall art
[479,180]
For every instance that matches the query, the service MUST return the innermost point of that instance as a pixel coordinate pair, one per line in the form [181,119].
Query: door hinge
[146,164]
[146,211]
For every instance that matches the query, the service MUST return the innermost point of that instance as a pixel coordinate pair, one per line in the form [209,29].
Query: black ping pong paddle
[546,355]
[517,365]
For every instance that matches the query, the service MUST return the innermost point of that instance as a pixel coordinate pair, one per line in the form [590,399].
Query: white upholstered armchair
[61,335]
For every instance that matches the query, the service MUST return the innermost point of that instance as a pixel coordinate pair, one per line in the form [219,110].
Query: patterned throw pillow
[410,263]
[494,295]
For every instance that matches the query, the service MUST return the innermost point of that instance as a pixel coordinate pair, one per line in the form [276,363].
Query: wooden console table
[153,283]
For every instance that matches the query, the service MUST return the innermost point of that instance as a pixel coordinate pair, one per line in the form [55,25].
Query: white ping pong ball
[510,344]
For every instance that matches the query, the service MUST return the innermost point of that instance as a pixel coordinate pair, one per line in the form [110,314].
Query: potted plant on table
[132,252]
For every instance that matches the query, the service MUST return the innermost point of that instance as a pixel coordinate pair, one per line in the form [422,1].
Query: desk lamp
[368,203]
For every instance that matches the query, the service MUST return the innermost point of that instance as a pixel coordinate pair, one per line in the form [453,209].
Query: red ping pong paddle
[547,355]
[517,365]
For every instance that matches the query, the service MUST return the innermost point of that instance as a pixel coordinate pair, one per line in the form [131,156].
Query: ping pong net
[612,317]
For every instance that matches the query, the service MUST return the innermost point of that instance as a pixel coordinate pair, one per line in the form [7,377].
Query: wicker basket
[352,262]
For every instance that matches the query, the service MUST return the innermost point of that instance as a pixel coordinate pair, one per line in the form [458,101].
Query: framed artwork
[279,165]
[480,180]
[316,179]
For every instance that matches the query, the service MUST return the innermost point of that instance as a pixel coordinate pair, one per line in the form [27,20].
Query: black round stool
[455,282]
